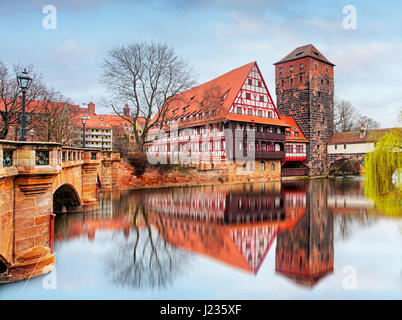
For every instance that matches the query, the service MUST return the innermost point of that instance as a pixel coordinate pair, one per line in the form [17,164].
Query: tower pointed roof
[305,51]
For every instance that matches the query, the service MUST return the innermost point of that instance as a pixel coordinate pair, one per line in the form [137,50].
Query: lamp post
[83,121]
[102,141]
[24,81]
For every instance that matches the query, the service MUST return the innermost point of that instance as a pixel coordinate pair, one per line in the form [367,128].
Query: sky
[215,36]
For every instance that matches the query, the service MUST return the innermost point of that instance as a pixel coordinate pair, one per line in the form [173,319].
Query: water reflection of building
[106,216]
[305,254]
[347,197]
[235,225]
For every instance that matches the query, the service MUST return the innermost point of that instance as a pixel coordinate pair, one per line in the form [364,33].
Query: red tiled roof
[40,106]
[354,136]
[294,127]
[261,120]
[305,51]
[100,121]
[216,97]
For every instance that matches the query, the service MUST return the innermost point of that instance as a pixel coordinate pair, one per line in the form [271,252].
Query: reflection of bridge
[37,179]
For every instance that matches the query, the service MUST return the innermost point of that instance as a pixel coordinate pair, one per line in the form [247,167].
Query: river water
[317,239]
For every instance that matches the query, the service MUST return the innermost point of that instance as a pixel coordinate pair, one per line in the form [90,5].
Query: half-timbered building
[230,122]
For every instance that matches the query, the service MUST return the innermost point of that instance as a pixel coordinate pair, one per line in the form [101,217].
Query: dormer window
[101,119]
[296,134]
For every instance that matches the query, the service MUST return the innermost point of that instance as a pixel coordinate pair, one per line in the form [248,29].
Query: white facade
[350,148]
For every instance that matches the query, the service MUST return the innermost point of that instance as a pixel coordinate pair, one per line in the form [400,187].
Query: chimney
[126,110]
[363,130]
[91,108]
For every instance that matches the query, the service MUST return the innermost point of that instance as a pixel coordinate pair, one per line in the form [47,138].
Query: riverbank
[155,178]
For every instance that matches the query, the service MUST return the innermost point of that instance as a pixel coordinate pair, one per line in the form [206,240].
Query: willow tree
[381,165]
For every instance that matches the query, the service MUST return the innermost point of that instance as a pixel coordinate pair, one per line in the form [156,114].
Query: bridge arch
[345,165]
[66,199]
[3,264]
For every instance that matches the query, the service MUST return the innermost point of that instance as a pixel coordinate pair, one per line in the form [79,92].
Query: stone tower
[305,90]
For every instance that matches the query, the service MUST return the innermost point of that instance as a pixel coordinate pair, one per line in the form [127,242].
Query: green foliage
[379,167]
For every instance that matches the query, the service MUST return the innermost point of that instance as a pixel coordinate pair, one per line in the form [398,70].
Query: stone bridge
[346,163]
[38,179]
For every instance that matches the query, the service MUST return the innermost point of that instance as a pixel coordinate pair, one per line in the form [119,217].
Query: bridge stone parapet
[36,180]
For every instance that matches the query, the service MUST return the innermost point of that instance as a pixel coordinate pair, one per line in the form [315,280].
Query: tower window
[301,78]
[283,82]
[322,81]
[327,82]
[291,68]
[301,66]
[315,66]
[291,82]
[280,70]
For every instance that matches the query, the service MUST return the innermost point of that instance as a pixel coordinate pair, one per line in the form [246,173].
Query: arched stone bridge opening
[37,180]
[345,164]
[66,199]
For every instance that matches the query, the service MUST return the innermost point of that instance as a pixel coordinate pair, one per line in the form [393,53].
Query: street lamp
[24,81]
[102,141]
[83,121]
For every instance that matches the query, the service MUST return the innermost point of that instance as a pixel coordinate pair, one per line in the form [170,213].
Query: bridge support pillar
[89,181]
[31,246]
[106,175]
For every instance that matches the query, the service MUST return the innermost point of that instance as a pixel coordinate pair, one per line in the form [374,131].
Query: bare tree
[147,75]
[347,118]
[53,119]
[369,123]
[344,115]
[10,97]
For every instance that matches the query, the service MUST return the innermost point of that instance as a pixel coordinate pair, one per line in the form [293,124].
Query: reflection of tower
[306,253]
